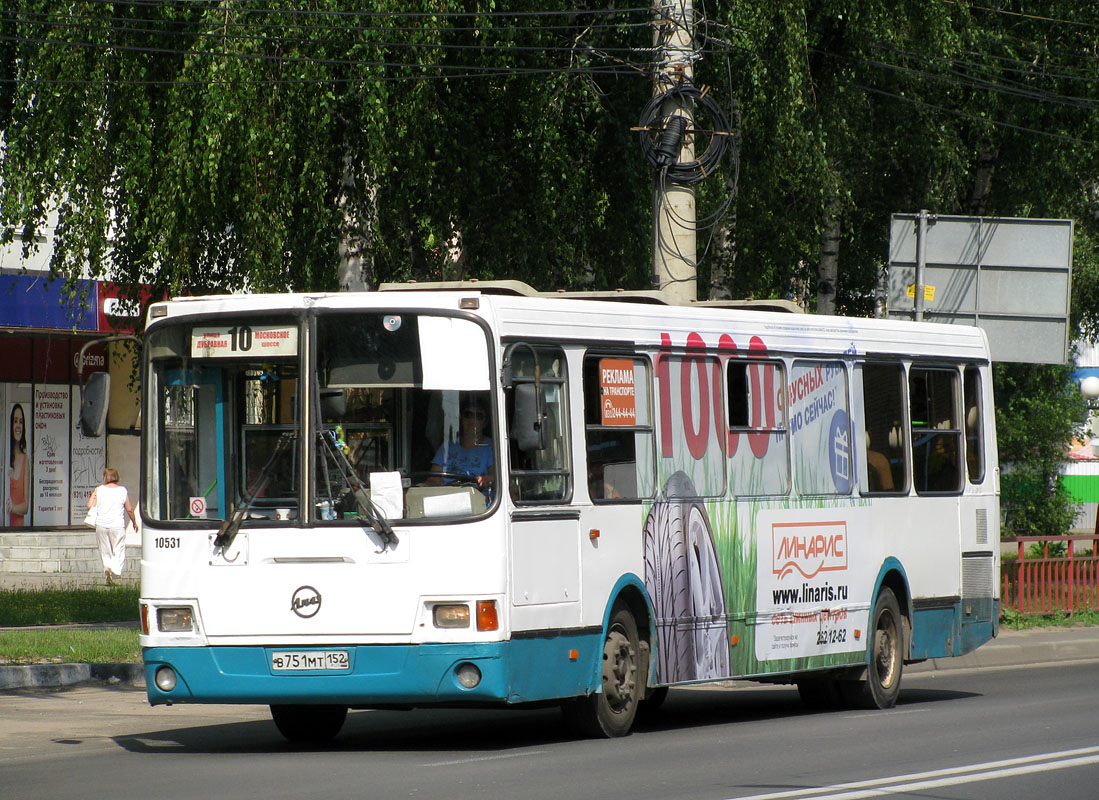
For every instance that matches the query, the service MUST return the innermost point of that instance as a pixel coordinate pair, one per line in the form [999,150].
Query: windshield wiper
[354,484]
[228,530]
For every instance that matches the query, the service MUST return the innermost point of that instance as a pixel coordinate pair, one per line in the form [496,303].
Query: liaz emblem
[306,602]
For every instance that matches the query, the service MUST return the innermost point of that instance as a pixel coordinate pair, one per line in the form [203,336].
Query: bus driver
[470,455]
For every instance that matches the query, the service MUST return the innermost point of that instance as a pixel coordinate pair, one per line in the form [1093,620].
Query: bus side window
[758,459]
[619,437]
[883,422]
[542,476]
[936,430]
[974,426]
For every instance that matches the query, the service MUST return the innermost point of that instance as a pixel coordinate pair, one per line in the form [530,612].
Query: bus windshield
[337,418]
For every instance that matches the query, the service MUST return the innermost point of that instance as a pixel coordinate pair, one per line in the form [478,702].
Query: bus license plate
[292,660]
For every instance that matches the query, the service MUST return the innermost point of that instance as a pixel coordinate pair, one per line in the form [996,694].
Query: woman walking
[112,504]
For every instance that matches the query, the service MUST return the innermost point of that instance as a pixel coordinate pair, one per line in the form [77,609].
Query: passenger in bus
[880,474]
[471,455]
[941,471]
[598,487]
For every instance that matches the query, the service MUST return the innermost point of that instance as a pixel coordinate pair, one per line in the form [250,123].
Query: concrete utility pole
[675,270]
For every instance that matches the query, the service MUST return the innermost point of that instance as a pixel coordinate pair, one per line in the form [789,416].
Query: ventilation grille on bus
[977,575]
[982,526]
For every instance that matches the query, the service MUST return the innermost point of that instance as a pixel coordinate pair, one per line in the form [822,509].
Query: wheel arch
[893,576]
[629,591]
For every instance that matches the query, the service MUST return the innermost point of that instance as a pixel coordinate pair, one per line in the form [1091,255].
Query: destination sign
[244,340]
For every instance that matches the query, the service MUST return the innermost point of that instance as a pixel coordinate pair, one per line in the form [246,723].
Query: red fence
[1067,581]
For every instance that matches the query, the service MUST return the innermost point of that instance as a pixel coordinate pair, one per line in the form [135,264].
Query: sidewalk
[1011,648]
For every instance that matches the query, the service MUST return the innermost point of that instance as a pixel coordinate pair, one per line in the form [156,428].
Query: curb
[1023,648]
[55,676]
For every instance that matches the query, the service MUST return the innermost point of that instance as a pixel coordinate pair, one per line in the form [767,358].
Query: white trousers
[112,548]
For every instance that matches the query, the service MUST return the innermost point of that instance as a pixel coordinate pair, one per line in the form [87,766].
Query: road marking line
[475,759]
[918,781]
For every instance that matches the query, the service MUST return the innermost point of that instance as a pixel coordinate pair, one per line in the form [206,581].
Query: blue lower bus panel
[518,671]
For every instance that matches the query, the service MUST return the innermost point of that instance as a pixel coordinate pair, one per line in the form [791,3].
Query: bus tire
[309,724]
[885,661]
[610,713]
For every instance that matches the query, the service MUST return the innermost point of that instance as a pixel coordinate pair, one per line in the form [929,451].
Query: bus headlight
[175,619]
[451,615]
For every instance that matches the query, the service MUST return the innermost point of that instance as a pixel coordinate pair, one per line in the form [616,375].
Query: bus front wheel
[886,658]
[610,713]
[313,724]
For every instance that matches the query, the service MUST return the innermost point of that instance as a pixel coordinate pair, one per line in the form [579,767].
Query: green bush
[1039,410]
[1047,550]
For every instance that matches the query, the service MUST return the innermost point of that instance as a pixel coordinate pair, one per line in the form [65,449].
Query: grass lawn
[20,608]
[50,606]
[70,645]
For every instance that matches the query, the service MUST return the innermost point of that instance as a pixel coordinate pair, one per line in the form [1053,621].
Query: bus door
[544,547]
[195,477]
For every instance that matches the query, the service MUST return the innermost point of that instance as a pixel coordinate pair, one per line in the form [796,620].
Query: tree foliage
[1035,413]
[213,146]
[878,108]
[229,144]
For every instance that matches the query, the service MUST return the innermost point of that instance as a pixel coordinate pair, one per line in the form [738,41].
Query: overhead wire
[960,79]
[1023,15]
[977,118]
[244,28]
[246,31]
[633,60]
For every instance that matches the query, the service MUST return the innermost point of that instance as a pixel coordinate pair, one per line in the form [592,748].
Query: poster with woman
[17,461]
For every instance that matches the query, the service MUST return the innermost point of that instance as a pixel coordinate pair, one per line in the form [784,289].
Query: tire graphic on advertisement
[683,578]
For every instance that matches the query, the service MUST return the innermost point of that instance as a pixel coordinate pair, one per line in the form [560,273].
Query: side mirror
[94,398]
[526,418]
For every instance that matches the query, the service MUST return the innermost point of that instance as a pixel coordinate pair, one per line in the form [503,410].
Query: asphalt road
[1004,732]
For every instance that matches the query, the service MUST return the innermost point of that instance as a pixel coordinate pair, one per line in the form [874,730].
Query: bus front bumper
[424,674]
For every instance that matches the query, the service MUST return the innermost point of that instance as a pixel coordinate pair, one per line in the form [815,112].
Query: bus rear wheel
[886,658]
[309,724]
[610,713]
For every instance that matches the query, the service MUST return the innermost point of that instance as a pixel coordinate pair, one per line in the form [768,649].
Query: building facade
[49,467]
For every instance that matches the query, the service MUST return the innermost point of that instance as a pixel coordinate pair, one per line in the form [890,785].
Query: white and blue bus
[644,495]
